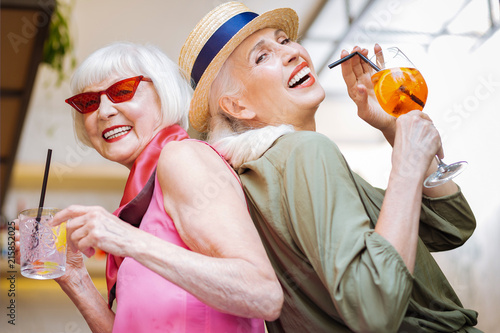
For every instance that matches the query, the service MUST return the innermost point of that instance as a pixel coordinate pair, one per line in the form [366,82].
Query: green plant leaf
[59,43]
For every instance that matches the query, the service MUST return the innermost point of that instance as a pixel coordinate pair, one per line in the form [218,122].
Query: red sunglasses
[119,92]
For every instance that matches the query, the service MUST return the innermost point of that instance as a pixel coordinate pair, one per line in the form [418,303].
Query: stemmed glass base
[444,173]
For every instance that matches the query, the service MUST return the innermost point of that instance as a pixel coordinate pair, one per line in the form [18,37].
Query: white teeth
[117,132]
[303,72]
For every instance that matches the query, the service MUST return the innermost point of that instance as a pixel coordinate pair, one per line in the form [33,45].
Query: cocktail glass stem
[441,164]
[444,173]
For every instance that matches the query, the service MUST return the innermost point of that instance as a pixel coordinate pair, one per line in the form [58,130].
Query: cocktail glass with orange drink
[401,88]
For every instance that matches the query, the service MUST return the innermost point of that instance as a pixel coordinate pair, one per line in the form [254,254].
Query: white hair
[129,59]
[232,137]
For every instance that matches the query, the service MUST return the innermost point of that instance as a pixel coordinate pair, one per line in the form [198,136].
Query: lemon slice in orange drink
[388,82]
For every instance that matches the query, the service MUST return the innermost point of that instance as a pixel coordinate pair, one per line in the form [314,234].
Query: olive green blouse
[316,219]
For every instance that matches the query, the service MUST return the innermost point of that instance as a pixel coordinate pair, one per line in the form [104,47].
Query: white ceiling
[165,23]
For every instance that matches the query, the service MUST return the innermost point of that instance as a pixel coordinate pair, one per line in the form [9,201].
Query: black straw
[44,185]
[338,62]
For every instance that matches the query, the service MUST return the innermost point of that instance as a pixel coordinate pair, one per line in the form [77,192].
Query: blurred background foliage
[58,51]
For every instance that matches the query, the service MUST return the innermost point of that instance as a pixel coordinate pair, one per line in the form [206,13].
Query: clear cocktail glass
[43,248]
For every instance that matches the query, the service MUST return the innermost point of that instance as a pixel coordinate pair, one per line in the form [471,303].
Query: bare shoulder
[189,153]
[191,162]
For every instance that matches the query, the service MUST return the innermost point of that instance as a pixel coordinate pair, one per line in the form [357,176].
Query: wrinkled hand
[357,76]
[74,267]
[74,259]
[91,227]
[416,143]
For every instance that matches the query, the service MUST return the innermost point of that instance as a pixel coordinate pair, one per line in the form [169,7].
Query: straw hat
[214,39]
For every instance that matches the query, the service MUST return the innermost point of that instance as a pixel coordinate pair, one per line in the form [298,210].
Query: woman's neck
[306,126]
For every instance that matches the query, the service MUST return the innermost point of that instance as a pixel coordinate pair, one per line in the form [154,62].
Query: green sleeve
[446,222]
[365,276]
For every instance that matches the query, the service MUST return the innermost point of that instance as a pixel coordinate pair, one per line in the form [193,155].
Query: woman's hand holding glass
[398,88]
[74,259]
[89,227]
[357,76]
[416,143]
[75,266]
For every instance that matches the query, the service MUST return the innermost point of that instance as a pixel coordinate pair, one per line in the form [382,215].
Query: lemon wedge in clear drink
[61,237]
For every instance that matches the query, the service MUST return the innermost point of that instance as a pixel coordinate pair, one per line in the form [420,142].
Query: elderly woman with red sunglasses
[183,253]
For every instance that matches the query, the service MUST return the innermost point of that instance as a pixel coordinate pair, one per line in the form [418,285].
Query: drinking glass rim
[24,211]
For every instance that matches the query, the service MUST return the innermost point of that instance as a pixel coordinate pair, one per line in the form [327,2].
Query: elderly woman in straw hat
[183,252]
[350,257]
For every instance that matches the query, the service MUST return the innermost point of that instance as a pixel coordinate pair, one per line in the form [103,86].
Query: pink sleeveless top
[147,302]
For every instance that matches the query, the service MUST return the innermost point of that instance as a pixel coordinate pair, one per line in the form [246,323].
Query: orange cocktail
[400,90]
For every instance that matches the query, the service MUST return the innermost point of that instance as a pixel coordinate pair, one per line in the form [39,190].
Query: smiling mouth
[301,77]
[114,133]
